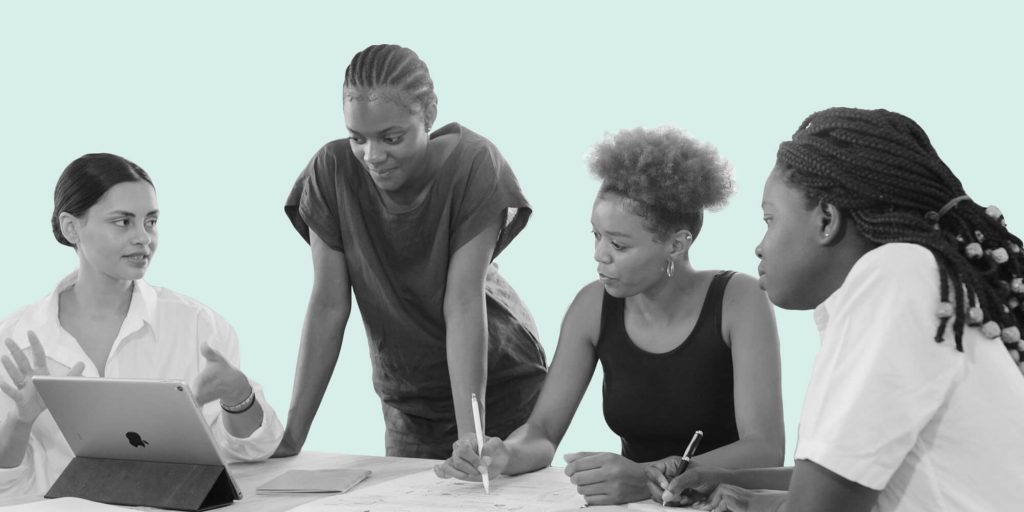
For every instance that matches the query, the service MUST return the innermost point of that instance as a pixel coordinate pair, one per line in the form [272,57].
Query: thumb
[571,457]
[77,369]
[210,353]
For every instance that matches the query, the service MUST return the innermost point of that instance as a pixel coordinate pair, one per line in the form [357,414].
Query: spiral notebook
[314,481]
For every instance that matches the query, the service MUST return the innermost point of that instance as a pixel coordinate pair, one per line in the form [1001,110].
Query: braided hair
[389,68]
[881,169]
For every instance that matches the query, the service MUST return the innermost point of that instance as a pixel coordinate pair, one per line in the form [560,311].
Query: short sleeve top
[893,410]
[398,262]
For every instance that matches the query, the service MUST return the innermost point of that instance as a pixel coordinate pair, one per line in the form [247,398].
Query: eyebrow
[385,130]
[125,213]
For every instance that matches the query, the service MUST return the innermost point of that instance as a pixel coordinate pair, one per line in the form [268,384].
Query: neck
[661,301]
[101,295]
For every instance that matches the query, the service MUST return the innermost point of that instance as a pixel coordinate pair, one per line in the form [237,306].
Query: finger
[586,462]
[655,492]
[77,369]
[9,390]
[690,480]
[588,477]
[19,358]
[12,370]
[596,500]
[446,470]
[38,354]
[654,475]
[211,354]
[571,457]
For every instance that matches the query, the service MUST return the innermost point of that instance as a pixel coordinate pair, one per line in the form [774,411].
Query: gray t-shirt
[398,267]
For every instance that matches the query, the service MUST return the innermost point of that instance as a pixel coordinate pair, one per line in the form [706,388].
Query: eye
[393,140]
[617,246]
[151,222]
[122,222]
[355,139]
[597,236]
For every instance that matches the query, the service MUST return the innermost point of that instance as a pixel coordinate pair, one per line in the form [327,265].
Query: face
[117,237]
[790,253]
[629,259]
[390,140]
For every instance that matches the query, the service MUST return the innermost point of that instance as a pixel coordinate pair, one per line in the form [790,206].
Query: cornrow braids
[391,68]
[881,168]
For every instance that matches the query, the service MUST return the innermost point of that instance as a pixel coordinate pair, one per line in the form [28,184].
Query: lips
[138,258]
[606,278]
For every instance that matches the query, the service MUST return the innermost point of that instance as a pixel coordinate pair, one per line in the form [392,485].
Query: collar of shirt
[63,348]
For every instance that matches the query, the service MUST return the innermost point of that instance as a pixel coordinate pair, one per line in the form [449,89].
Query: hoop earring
[671,267]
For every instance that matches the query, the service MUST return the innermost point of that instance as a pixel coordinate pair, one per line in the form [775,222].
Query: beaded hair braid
[881,169]
[392,67]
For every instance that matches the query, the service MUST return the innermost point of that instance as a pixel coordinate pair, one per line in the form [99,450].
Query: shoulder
[902,267]
[742,287]
[174,306]
[474,148]
[13,322]
[584,314]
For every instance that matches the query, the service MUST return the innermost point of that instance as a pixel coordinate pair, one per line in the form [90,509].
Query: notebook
[314,481]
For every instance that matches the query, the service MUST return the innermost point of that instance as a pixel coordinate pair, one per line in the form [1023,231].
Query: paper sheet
[64,505]
[546,490]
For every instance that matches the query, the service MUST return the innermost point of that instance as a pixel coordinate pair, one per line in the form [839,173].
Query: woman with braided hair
[410,221]
[916,401]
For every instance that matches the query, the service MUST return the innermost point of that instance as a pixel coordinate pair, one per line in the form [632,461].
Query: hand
[736,499]
[287,447]
[465,464]
[219,379]
[28,404]
[695,484]
[606,478]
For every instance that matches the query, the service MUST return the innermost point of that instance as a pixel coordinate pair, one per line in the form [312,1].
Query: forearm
[322,334]
[14,434]
[750,452]
[466,342]
[530,449]
[760,478]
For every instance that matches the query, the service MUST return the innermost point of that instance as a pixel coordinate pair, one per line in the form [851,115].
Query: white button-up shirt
[159,339]
[891,409]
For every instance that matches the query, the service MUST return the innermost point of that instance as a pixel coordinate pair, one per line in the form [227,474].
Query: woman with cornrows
[410,221]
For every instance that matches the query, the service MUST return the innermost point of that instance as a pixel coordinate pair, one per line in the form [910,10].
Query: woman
[914,403]
[104,320]
[410,221]
[681,349]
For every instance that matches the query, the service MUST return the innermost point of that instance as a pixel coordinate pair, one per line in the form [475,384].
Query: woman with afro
[681,349]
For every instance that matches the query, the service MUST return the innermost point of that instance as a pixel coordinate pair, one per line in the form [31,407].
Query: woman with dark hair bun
[104,320]
[681,349]
[409,221]
[916,401]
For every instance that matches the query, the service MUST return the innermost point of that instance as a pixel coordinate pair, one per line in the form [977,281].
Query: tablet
[130,419]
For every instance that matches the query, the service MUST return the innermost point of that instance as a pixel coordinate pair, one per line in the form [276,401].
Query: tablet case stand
[191,487]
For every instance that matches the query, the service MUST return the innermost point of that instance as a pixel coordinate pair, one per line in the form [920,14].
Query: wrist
[242,405]
[22,422]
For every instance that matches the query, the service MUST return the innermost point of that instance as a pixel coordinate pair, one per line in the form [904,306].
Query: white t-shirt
[893,410]
[159,339]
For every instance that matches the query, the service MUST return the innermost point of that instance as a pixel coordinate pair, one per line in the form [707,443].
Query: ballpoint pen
[478,425]
[687,454]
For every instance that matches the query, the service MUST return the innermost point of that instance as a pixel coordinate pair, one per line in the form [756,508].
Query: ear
[429,116]
[830,223]
[68,227]
[680,243]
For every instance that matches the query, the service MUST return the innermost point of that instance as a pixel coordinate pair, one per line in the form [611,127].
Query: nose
[142,235]
[373,153]
[758,251]
[601,253]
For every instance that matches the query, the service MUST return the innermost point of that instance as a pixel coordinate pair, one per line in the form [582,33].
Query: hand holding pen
[659,472]
[478,425]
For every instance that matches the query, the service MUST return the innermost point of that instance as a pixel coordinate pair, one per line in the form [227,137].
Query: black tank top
[655,402]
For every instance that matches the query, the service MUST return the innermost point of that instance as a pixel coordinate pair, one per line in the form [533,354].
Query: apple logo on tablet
[136,440]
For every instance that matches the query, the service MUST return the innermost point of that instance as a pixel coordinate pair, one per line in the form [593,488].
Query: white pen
[478,425]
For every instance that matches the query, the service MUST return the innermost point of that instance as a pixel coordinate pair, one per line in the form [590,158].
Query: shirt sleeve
[264,440]
[312,202]
[487,190]
[880,376]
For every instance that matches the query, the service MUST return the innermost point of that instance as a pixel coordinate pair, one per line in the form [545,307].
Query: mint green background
[224,103]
